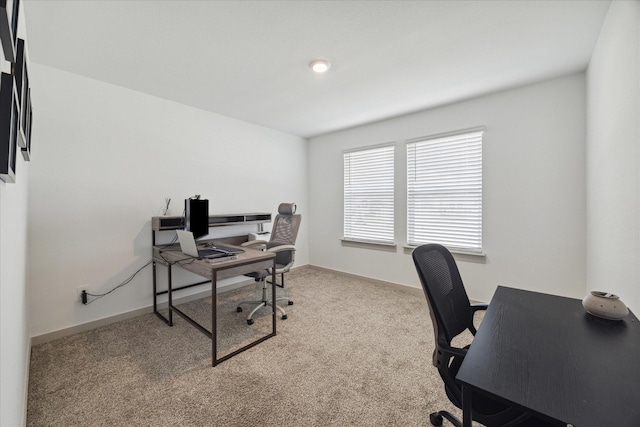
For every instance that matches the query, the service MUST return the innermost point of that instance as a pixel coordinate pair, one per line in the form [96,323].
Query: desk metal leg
[466,406]
[273,296]
[170,294]
[155,288]
[214,319]
[214,332]
[155,297]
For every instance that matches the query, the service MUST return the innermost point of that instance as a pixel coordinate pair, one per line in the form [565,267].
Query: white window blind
[444,191]
[369,195]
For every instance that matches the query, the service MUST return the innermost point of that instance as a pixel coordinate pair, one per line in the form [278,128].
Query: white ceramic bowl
[605,305]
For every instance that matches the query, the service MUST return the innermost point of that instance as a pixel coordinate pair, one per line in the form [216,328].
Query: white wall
[613,156]
[533,190]
[14,324]
[14,303]
[107,159]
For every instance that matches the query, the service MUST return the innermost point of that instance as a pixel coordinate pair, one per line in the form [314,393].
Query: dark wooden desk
[545,354]
[249,261]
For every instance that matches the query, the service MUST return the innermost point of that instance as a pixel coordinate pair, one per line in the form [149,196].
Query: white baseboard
[25,397]
[405,288]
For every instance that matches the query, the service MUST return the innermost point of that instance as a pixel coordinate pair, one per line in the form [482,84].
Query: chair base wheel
[290,302]
[239,309]
[284,317]
[249,321]
[436,419]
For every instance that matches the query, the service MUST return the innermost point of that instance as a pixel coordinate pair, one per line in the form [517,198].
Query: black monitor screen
[196,217]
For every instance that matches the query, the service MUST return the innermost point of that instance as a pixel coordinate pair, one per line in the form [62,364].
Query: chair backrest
[285,230]
[448,301]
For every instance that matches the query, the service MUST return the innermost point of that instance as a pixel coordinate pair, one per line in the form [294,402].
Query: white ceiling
[249,59]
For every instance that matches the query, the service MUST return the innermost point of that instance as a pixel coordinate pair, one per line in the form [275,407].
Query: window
[369,195]
[444,191]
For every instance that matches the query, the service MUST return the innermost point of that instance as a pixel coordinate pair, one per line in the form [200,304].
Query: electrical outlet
[79,290]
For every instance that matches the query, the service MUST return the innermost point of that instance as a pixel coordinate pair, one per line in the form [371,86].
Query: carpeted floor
[352,352]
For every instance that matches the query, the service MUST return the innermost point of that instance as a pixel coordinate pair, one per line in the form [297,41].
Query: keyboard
[212,253]
[222,249]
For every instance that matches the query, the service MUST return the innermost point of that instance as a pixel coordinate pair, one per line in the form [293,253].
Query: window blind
[444,191]
[369,195]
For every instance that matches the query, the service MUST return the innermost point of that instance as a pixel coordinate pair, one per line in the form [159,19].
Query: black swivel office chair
[452,314]
[282,241]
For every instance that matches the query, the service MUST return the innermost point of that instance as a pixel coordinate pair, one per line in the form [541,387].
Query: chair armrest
[479,306]
[281,248]
[474,308]
[252,243]
[454,351]
[443,353]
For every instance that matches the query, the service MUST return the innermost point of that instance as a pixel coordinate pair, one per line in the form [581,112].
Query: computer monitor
[196,217]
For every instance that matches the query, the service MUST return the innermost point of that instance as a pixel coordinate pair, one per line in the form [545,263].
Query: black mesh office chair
[451,315]
[282,241]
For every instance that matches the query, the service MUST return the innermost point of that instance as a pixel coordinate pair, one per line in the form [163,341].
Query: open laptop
[188,247]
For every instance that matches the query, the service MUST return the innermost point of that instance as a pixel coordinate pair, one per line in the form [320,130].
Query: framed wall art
[26,151]
[9,27]
[9,122]
[22,86]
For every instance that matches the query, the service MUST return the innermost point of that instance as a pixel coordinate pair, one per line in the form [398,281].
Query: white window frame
[369,194]
[444,190]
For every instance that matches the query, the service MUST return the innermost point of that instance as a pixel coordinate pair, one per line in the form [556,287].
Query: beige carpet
[352,352]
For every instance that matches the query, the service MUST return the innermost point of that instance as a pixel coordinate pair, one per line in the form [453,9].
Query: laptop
[188,247]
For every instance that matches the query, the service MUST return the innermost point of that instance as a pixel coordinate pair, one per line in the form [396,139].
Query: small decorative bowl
[605,305]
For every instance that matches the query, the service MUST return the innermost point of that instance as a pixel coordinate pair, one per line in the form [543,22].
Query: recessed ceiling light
[320,65]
